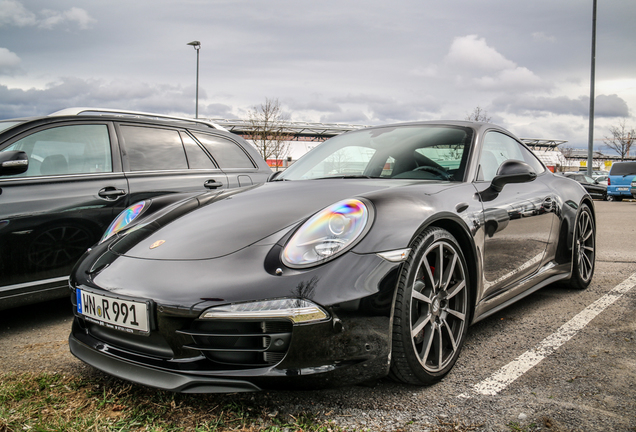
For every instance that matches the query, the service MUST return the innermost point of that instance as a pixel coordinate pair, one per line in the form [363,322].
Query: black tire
[432,309]
[583,249]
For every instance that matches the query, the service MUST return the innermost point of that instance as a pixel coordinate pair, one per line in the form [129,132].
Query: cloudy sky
[339,61]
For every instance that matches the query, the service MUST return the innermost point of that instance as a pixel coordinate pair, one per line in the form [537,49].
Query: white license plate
[623,189]
[124,315]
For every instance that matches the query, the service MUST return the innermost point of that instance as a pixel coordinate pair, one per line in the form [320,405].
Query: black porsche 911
[368,257]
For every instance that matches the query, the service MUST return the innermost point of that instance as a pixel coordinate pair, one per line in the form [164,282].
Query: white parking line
[513,370]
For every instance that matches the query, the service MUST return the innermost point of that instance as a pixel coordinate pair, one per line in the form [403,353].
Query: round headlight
[328,234]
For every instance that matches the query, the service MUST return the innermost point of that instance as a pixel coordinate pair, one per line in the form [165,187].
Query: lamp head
[195,44]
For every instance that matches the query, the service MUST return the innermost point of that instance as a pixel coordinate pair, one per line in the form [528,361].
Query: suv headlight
[328,234]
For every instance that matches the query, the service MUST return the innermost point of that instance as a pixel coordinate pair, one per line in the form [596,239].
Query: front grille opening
[235,343]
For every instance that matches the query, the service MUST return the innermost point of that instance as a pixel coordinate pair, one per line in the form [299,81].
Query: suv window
[73,149]
[150,149]
[197,158]
[623,168]
[226,153]
[499,148]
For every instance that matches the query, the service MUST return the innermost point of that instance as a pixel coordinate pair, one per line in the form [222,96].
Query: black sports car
[370,256]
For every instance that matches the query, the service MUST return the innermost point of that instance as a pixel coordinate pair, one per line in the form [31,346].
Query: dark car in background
[64,177]
[620,180]
[593,187]
[383,246]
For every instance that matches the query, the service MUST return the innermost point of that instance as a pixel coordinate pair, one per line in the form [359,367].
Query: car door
[517,221]
[160,160]
[59,207]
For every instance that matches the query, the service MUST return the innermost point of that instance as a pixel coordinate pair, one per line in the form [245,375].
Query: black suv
[66,176]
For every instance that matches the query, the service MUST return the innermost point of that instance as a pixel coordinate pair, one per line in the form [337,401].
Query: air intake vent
[241,343]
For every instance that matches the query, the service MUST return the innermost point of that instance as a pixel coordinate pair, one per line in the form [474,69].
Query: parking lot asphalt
[586,383]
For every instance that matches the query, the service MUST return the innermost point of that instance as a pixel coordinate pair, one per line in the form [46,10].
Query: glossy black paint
[225,247]
[48,221]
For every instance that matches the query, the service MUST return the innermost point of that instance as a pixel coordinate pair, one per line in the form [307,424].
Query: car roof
[116,114]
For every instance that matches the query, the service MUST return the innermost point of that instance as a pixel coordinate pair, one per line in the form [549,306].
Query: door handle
[212,184]
[111,193]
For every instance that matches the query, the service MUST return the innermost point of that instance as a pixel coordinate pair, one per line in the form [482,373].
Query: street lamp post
[197,47]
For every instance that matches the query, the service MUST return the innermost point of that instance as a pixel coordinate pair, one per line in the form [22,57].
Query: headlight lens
[299,311]
[123,220]
[328,233]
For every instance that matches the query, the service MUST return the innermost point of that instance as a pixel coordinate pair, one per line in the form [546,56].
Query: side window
[499,148]
[150,149]
[226,153]
[73,149]
[197,159]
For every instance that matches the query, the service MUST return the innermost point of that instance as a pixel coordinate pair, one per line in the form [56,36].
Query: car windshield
[7,124]
[423,152]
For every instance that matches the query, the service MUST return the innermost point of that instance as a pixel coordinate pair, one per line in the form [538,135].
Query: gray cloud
[73,92]
[9,62]
[605,105]
[14,13]
[360,61]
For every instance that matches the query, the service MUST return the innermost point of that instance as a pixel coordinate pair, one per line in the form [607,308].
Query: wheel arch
[457,227]
[565,250]
[467,244]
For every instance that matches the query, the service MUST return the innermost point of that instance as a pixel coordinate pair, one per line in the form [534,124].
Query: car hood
[243,217]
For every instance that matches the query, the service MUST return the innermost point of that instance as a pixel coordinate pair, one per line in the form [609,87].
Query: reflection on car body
[82,170]
[384,245]
[592,186]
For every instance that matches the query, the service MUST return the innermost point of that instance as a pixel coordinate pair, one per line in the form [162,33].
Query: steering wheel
[435,170]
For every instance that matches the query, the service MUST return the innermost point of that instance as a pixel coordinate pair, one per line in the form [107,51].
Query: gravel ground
[588,384]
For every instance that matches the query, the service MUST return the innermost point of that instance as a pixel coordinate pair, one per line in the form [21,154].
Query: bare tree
[479,115]
[568,157]
[621,140]
[267,124]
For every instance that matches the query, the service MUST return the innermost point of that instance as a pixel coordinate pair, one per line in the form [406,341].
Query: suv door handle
[212,184]
[111,193]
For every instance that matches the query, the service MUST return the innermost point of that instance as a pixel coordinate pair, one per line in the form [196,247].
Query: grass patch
[52,402]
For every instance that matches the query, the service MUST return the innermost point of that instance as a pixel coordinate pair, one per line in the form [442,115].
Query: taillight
[609,182]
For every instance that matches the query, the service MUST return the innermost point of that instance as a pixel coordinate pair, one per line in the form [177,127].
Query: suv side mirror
[512,171]
[13,162]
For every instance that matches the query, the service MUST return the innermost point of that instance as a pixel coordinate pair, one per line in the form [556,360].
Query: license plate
[123,315]
[623,189]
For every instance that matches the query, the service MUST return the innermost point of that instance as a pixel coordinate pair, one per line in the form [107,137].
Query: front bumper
[328,354]
[152,377]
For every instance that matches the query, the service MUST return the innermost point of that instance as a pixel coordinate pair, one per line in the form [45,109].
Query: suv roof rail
[137,114]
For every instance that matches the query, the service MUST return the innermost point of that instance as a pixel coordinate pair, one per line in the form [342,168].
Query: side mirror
[512,171]
[13,162]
